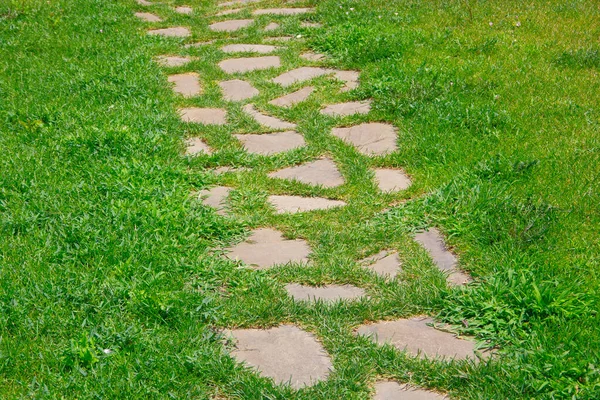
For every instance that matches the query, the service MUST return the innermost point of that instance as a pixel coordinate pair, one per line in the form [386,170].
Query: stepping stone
[391,180]
[148,17]
[345,109]
[237,89]
[199,44]
[267,120]
[286,354]
[385,264]
[228,12]
[418,339]
[296,204]
[184,10]
[271,143]
[215,198]
[300,75]
[327,293]
[186,84]
[433,242]
[172,61]
[310,56]
[249,48]
[234,2]
[321,172]
[177,31]
[266,248]
[282,11]
[279,38]
[389,390]
[247,64]
[196,146]
[230,26]
[207,116]
[372,138]
[144,3]
[350,78]
[271,27]
[310,25]
[293,98]
[224,170]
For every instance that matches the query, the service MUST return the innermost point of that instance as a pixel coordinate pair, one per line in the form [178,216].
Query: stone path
[327,293]
[237,90]
[321,172]
[247,64]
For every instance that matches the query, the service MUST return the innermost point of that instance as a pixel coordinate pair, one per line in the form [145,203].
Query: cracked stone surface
[390,390]
[327,293]
[177,31]
[418,339]
[282,11]
[296,204]
[310,56]
[345,109]
[300,75]
[246,64]
[286,354]
[188,85]
[350,79]
[172,61]
[386,264]
[296,97]
[207,116]
[249,48]
[228,12]
[184,10]
[237,90]
[370,139]
[321,172]
[231,25]
[271,27]
[391,180]
[266,248]
[215,198]
[267,120]
[271,143]
[196,146]
[148,17]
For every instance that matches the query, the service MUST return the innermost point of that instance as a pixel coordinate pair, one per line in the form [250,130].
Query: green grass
[102,247]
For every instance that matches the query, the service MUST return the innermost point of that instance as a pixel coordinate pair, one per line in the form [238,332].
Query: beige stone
[386,264]
[188,85]
[326,294]
[177,31]
[293,98]
[282,11]
[391,180]
[300,75]
[143,3]
[246,64]
[215,197]
[310,56]
[271,143]
[321,172]
[231,25]
[267,120]
[372,138]
[350,79]
[148,17]
[271,27]
[172,61]
[184,10]
[207,116]
[296,204]
[228,12]
[237,90]
[345,109]
[249,48]
[196,146]
[390,390]
[235,2]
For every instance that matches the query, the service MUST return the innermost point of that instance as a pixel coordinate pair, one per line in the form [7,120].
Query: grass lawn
[109,283]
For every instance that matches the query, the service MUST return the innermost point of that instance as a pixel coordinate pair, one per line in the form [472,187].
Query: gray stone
[296,204]
[310,25]
[231,25]
[271,143]
[215,198]
[187,84]
[172,61]
[385,264]
[266,248]
[300,75]
[246,64]
[249,48]
[199,44]
[418,339]
[321,172]
[345,109]
[350,79]
[234,2]
[282,11]
[184,10]
[237,90]
[271,27]
[310,56]
[266,120]
[372,138]
[148,17]
[177,31]
[286,354]
[207,116]
[434,243]
[293,98]
[327,293]
[196,146]
[391,180]
[228,12]
[390,390]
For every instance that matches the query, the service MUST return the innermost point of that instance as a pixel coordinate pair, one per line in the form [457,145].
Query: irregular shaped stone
[184,10]
[271,27]
[246,64]
[144,3]
[296,204]
[372,138]
[271,143]
[293,98]
[199,44]
[300,75]
[389,390]
[228,12]
[196,146]
[266,248]
[148,17]
[187,85]
[207,116]
[172,61]
[350,79]
[249,48]
[345,109]
[418,339]
[327,293]
[231,25]
[433,242]
[321,172]
[282,11]
[234,2]
[310,56]
[385,264]
[391,180]
[177,31]
[310,25]
[215,198]
[286,354]
[237,89]
[267,120]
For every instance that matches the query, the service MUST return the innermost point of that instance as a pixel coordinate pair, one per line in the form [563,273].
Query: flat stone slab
[286,354]
[433,241]
[231,25]
[293,98]
[196,146]
[188,85]
[418,339]
[310,25]
[271,27]
[282,11]
[237,90]
[391,180]
[386,264]
[215,198]
[172,61]
[350,79]
[249,48]
[246,64]
[327,293]
[345,109]
[184,10]
[148,17]
[271,143]
[310,56]
[266,248]
[207,116]
[300,75]
[234,2]
[370,139]
[176,31]
[296,204]
[267,120]
[321,172]
[143,3]
[228,12]
[390,390]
